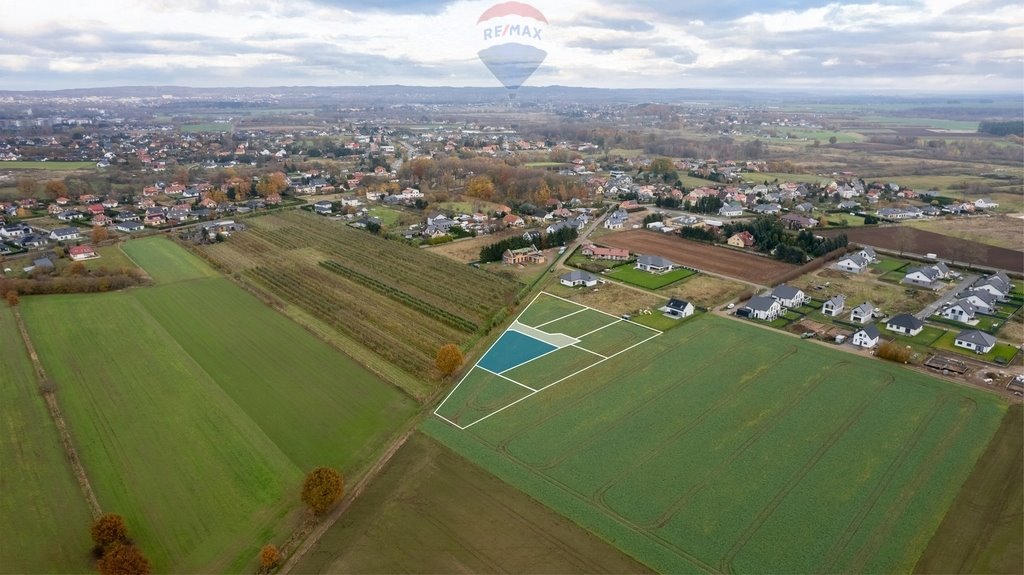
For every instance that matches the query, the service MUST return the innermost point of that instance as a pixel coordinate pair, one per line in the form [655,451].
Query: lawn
[655,450]
[889,265]
[431,511]
[44,521]
[55,166]
[647,280]
[199,383]
[844,220]
[388,217]
[1001,351]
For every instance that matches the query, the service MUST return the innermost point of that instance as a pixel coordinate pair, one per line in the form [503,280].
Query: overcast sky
[880,46]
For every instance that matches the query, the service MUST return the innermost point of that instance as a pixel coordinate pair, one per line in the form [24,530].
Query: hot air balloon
[512,35]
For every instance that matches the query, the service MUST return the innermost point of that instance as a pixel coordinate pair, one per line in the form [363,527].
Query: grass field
[647,280]
[207,127]
[431,511]
[657,451]
[1001,231]
[44,521]
[196,382]
[52,166]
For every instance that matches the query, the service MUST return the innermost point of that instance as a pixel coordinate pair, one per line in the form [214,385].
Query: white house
[997,284]
[677,309]
[577,278]
[905,323]
[985,204]
[984,301]
[862,313]
[962,311]
[869,254]
[64,234]
[975,340]
[762,307]
[654,264]
[731,211]
[834,306]
[853,263]
[789,296]
[923,277]
[866,337]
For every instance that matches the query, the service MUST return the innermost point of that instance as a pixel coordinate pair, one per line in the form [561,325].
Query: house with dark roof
[677,309]
[654,264]
[983,301]
[905,323]
[761,307]
[975,340]
[834,306]
[65,234]
[997,284]
[866,337]
[925,277]
[852,263]
[862,313]
[789,296]
[962,311]
[578,278]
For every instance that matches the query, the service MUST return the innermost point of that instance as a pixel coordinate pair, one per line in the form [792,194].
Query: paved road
[929,310]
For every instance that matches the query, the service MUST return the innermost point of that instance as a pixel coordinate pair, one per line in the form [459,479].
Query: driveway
[928,311]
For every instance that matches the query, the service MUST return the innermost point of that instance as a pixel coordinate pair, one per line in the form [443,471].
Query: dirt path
[47,389]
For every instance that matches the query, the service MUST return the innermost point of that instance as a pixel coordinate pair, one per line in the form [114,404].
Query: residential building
[975,340]
[577,278]
[862,313]
[677,308]
[654,264]
[834,306]
[789,296]
[761,307]
[866,337]
[905,323]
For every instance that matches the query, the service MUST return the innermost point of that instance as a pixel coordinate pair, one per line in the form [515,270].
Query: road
[930,309]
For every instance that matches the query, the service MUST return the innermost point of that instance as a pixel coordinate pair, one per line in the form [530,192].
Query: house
[862,313]
[997,284]
[798,222]
[616,220]
[599,253]
[975,340]
[64,234]
[577,278]
[766,209]
[102,220]
[962,311]
[513,221]
[654,264]
[943,270]
[129,227]
[677,309]
[789,296]
[323,207]
[761,307]
[905,323]
[866,337]
[982,300]
[78,253]
[742,239]
[527,255]
[70,215]
[853,263]
[869,254]
[922,277]
[41,264]
[985,204]
[15,231]
[154,216]
[834,306]
[733,210]
[532,236]
[804,207]
[848,206]
[32,241]
[440,222]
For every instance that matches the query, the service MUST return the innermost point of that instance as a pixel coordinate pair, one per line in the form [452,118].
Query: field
[946,247]
[468,250]
[859,288]
[196,382]
[698,451]
[706,291]
[401,302]
[207,127]
[1000,231]
[44,521]
[431,511]
[700,256]
[52,166]
[647,280]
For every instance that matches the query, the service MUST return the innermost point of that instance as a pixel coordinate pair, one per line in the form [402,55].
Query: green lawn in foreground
[56,166]
[165,261]
[197,409]
[643,279]
[699,451]
[44,521]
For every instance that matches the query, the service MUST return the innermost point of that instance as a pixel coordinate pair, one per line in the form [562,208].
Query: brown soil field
[946,247]
[431,511]
[731,263]
[1000,231]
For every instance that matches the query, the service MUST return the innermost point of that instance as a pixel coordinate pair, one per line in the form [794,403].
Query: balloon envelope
[512,63]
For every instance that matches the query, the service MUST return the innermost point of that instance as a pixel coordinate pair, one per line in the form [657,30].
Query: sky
[883,46]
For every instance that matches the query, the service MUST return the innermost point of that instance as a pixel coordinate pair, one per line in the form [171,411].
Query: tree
[480,187]
[121,559]
[270,556]
[832,140]
[449,359]
[12,298]
[99,234]
[181,175]
[56,189]
[109,529]
[322,489]
[27,187]
[904,239]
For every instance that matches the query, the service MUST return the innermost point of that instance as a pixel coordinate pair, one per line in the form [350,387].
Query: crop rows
[359,313]
[402,297]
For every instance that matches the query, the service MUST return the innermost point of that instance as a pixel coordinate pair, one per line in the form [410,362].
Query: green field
[1002,353]
[698,451]
[643,279]
[44,521]
[207,127]
[54,166]
[197,383]
[431,511]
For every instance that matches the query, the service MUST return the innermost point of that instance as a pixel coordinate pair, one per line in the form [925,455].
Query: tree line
[770,237]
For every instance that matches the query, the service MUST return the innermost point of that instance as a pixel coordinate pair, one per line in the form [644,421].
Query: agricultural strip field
[698,451]
[400,302]
[52,166]
[700,256]
[43,517]
[921,242]
[431,511]
[196,382]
